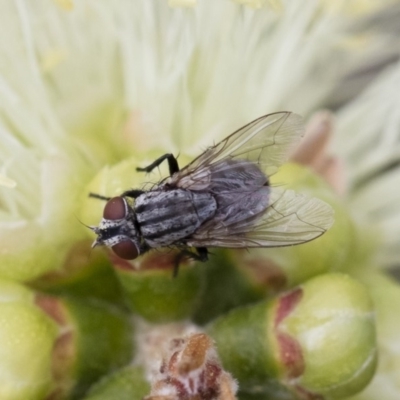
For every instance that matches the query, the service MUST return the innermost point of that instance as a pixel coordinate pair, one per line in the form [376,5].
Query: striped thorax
[168,216]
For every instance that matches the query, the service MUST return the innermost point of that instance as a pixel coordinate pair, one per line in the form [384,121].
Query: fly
[223,198]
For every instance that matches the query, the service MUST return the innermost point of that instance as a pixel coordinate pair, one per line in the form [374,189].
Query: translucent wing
[289,218]
[250,213]
[264,142]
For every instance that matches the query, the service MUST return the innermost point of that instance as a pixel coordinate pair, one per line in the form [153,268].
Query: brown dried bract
[191,370]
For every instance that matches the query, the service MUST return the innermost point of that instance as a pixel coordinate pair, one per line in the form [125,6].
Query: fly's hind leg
[201,255]
[172,164]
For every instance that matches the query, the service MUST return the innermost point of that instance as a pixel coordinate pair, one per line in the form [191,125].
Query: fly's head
[117,229]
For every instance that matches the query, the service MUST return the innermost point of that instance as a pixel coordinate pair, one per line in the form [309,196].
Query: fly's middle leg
[202,254]
[172,164]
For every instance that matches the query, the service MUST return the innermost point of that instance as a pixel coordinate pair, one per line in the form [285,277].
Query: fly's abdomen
[166,217]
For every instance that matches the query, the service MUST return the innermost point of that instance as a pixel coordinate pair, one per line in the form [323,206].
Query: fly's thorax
[166,217]
[117,229]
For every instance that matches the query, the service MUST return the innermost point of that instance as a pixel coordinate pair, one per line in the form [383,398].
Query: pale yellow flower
[87,84]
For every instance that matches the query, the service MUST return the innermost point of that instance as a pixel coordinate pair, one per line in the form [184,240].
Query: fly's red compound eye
[115,209]
[126,249]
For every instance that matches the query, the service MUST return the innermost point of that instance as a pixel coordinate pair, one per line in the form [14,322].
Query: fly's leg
[133,193]
[201,255]
[99,196]
[172,164]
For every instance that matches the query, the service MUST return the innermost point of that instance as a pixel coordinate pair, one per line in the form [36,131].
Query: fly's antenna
[99,197]
[87,226]
[92,228]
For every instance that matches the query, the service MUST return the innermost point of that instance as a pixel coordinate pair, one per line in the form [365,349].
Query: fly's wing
[250,213]
[264,142]
[289,218]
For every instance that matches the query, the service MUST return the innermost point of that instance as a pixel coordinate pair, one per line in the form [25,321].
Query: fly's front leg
[172,164]
[99,196]
[134,193]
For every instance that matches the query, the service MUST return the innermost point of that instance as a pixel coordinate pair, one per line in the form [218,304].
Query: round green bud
[333,326]
[85,273]
[243,283]
[385,293]
[27,337]
[127,383]
[152,291]
[317,339]
[101,340]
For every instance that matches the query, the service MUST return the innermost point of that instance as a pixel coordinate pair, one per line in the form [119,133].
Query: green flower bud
[102,340]
[243,283]
[27,337]
[94,339]
[335,328]
[153,292]
[318,339]
[85,273]
[385,293]
[127,383]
